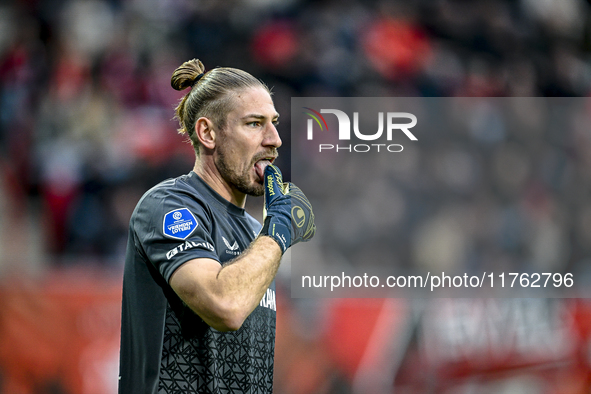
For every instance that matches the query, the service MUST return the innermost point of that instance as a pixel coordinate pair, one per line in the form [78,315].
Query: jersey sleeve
[172,230]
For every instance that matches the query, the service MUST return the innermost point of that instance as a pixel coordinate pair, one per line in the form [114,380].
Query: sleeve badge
[179,224]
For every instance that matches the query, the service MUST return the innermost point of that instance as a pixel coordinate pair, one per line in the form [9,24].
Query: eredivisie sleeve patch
[179,224]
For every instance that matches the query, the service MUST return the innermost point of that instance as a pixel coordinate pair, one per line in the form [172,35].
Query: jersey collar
[202,185]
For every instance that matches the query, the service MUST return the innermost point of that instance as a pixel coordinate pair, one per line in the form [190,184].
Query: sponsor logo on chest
[268,300]
[231,248]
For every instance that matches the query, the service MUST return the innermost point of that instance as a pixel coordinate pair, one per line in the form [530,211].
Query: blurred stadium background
[86,129]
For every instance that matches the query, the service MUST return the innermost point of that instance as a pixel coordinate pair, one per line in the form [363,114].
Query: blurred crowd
[492,185]
[86,104]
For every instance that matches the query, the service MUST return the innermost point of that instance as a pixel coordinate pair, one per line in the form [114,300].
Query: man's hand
[287,215]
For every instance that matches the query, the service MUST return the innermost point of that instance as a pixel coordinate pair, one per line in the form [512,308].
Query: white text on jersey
[188,245]
[268,300]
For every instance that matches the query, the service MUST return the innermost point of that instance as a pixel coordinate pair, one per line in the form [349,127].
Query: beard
[241,181]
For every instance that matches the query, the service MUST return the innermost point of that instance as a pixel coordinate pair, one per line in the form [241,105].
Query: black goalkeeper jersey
[165,347]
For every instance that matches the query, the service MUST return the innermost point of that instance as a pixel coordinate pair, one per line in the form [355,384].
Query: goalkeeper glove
[287,215]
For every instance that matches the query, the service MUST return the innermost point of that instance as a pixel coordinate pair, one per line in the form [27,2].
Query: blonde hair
[211,94]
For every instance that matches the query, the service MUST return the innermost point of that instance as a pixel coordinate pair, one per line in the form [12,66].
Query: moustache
[271,153]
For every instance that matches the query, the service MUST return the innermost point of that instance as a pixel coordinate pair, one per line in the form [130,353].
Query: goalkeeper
[199,301]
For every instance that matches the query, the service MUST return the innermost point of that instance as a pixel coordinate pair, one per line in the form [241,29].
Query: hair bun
[187,74]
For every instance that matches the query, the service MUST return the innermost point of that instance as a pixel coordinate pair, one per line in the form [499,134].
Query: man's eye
[254,124]
[275,123]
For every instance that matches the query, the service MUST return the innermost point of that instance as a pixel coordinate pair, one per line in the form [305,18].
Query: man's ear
[205,133]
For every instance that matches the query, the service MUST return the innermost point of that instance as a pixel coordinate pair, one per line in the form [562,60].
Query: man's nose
[272,137]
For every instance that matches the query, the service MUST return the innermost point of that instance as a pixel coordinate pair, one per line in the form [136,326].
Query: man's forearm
[246,278]
[225,296]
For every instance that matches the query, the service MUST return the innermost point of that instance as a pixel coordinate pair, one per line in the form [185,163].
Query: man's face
[248,142]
